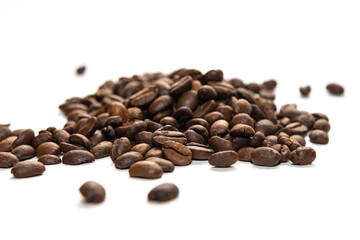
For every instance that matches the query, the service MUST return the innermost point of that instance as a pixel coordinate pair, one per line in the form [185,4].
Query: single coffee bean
[322,124]
[89,127]
[166,165]
[61,136]
[75,157]
[205,108]
[254,87]
[270,84]
[144,137]
[318,116]
[7,160]
[226,111]
[265,156]
[303,156]
[256,113]
[197,121]
[127,159]
[154,152]
[219,128]
[163,192]
[270,140]
[160,137]
[101,149]
[299,139]
[93,192]
[219,144]
[307,119]
[319,136]
[119,147]
[25,138]
[181,86]
[223,89]
[192,136]
[80,70]
[240,142]
[6,144]
[169,121]
[157,117]
[119,109]
[285,153]
[144,97]
[145,169]
[242,118]
[152,126]
[108,132]
[188,99]
[266,127]
[66,147]
[196,85]
[213,117]
[295,128]
[335,89]
[237,83]
[267,94]
[305,91]
[213,75]
[24,152]
[245,153]
[200,151]
[80,139]
[142,148]
[113,121]
[27,169]
[257,140]
[4,132]
[194,73]
[201,130]
[41,138]
[49,159]
[242,106]
[47,148]
[207,92]
[183,114]
[177,153]
[160,104]
[224,158]
[241,130]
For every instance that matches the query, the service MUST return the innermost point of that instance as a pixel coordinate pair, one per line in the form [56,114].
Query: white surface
[307,42]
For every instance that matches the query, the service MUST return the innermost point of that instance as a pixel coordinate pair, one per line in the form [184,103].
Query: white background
[295,42]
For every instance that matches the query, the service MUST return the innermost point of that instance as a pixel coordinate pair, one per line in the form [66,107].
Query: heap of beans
[150,123]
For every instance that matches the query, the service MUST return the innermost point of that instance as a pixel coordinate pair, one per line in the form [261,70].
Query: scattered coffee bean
[319,136]
[93,192]
[167,166]
[49,159]
[322,124]
[80,70]
[224,158]
[75,157]
[47,148]
[145,169]
[27,169]
[163,192]
[265,156]
[7,160]
[303,156]
[245,153]
[101,149]
[177,153]
[335,89]
[127,159]
[24,152]
[305,91]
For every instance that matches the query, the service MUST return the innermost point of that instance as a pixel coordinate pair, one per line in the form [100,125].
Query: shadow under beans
[264,167]
[199,162]
[223,169]
[85,205]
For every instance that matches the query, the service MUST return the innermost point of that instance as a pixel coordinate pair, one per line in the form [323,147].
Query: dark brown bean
[303,156]
[119,147]
[93,192]
[305,91]
[80,70]
[207,93]
[6,144]
[266,127]
[245,153]
[160,104]
[7,160]
[183,114]
[242,106]
[25,138]
[335,89]
[145,169]
[226,111]
[205,108]
[66,147]
[101,149]
[265,156]
[200,151]
[4,132]
[27,169]
[213,117]
[47,148]
[160,137]
[242,118]
[80,139]
[219,128]
[127,159]
[49,159]
[322,124]
[241,130]
[319,136]
[181,86]
[144,97]
[142,148]
[223,159]
[61,136]
[219,144]
[177,153]
[154,152]
[24,152]
[188,99]
[41,138]
[89,127]
[163,192]
[166,165]
[75,157]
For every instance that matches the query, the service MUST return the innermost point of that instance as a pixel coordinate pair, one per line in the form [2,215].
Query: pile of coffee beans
[151,123]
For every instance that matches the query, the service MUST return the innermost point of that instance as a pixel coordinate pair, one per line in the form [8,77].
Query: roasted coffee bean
[196,85]
[79,124]
[188,99]
[205,108]
[144,137]
[219,144]
[267,94]
[4,132]
[242,118]
[213,75]
[257,140]
[265,156]
[207,93]
[89,127]
[113,121]
[163,85]
[163,192]
[270,140]
[285,153]
[335,89]
[119,109]
[318,116]
[303,156]
[177,153]
[18,132]
[237,83]
[141,148]
[194,73]
[47,148]
[166,165]
[295,128]
[80,70]
[183,114]
[152,126]
[307,119]
[226,111]
[197,121]
[119,147]
[6,144]
[200,130]
[157,117]
[75,157]
[25,138]
[169,121]
[242,106]
[240,142]
[24,152]
[213,117]
[7,160]
[322,124]
[246,94]
[305,91]
[299,139]
[27,169]
[184,84]
[66,147]
[223,159]
[49,159]
[266,127]
[80,139]
[256,113]
[160,137]
[41,138]
[219,128]
[245,153]
[154,152]
[192,136]
[160,104]
[145,169]
[144,97]
[93,192]
[254,87]
[127,159]
[101,149]
[223,89]
[267,107]
[270,84]
[131,129]
[108,133]
[319,136]
[61,136]
[241,130]
[200,151]
[277,147]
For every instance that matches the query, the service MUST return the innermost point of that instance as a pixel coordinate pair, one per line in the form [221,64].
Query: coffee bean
[101,149]
[223,89]
[265,156]
[169,121]
[205,108]
[257,140]
[219,128]
[80,139]
[154,152]
[188,99]
[245,153]
[303,156]
[267,94]
[194,73]
[49,159]
[177,153]
[240,142]
[127,159]
[183,114]
[144,97]
[197,121]
[66,147]
[163,192]
[196,85]
[119,109]
[193,136]
[335,89]
[295,128]
[256,113]
[160,104]
[184,84]
[152,126]
[80,70]
[41,138]
[285,153]
[213,117]
[219,144]
[61,136]
[224,158]
[7,160]
[200,151]
[167,166]
[318,116]
[242,118]
[144,137]
[322,124]
[113,121]
[299,139]
[142,148]
[6,144]
[89,127]
[305,91]
[4,132]
[107,133]
[47,148]
[25,138]
[267,107]
[265,126]
[24,152]
[160,137]
[93,192]
[319,136]
[242,106]
[119,147]
[207,93]
[307,119]
[254,87]
[270,140]
[145,169]
[241,130]
[27,169]
[270,84]
[75,157]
